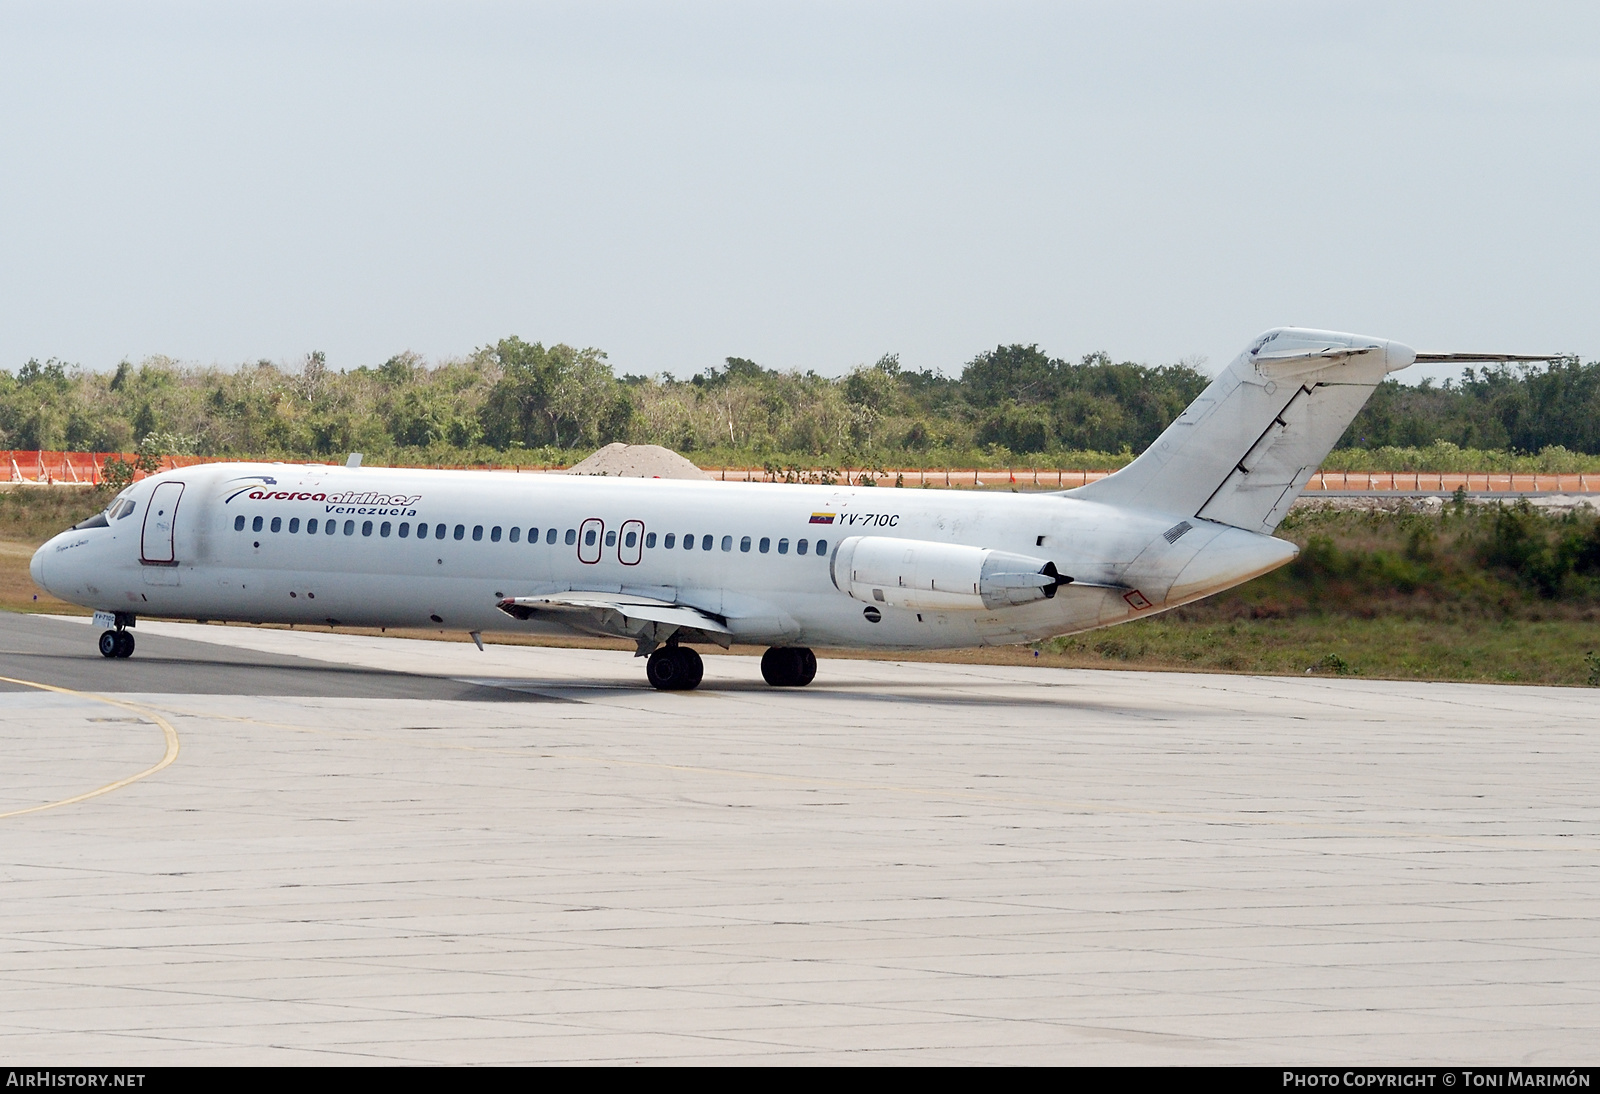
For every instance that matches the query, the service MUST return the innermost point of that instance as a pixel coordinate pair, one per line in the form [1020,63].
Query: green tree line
[518,401]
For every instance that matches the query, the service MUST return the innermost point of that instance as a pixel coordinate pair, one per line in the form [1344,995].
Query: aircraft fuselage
[279,543]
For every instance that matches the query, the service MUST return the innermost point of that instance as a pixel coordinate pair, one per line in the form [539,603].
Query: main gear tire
[109,643]
[694,669]
[674,668]
[788,666]
[124,644]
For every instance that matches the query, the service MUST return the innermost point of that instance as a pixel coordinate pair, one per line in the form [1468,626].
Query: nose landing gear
[789,666]
[674,668]
[116,644]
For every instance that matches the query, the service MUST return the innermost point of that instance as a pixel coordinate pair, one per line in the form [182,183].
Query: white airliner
[668,563]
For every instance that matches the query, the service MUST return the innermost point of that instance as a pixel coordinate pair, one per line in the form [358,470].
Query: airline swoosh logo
[252,482]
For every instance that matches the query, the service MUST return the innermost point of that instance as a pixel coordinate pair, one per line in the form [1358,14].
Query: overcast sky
[808,185]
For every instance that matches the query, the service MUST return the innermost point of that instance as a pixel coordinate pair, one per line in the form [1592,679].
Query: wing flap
[641,608]
[647,621]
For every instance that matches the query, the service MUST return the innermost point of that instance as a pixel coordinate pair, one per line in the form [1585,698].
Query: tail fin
[1246,447]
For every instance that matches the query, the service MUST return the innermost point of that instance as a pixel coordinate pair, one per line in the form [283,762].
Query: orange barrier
[1032,478]
[1448,482]
[85,468]
[73,468]
[1050,479]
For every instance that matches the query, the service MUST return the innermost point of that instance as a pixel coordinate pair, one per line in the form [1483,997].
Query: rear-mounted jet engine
[921,575]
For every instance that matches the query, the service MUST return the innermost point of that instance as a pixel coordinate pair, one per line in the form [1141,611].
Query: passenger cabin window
[630,539]
[405,529]
[670,541]
[744,545]
[515,535]
[438,531]
[461,531]
[572,536]
[349,527]
[366,527]
[238,523]
[765,545]
[294,524]
[688,542]
[330,526]
[255,525]
[783,546]
[822,547]
[800,548]
[494,534]
[311,526]
[422,531]
[727,543]
[650,539]
[477,533]
[277,524]
[611,539]
[705,543]
[588,538]
[384,529]
[550,535]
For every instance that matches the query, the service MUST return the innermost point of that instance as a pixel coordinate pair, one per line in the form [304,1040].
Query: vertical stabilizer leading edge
[1242,452]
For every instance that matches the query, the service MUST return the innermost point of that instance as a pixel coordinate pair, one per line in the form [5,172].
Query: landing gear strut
[789,666]
[674,668]
[116,644]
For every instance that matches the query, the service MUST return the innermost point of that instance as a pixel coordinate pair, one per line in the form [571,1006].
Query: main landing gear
[675,668]
[789,666]
[678,668]
[116,644]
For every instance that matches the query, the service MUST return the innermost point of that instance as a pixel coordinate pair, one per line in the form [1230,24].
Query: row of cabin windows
[708,543]
[441,531]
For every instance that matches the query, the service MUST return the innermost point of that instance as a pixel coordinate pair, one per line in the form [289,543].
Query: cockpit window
[121,509]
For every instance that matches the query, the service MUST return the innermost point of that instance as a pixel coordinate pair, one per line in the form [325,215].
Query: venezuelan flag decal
[821,518]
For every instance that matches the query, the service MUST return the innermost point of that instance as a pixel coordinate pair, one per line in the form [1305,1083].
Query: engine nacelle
[922,575]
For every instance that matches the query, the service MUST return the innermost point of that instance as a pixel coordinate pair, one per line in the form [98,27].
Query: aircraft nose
[36,568]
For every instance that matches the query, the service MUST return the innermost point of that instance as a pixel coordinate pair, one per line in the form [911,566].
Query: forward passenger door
[591,537]
[155,542]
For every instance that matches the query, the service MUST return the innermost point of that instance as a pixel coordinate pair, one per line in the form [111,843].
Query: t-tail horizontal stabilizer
[1491,358]
[1242,452]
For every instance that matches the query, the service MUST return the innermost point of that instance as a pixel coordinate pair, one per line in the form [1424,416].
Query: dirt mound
[637,461]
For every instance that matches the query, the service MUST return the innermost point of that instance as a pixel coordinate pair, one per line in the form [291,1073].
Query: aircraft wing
[647,621]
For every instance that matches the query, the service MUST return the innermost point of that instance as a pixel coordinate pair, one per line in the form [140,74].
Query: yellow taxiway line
[166,760]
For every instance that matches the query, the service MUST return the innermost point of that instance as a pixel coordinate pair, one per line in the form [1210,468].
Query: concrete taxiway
[321,848]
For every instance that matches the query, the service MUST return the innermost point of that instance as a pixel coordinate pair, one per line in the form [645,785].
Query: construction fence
[87,469]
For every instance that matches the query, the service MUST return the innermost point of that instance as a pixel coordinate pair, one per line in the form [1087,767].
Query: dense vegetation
[1500,593]
[522,402]
[1516,408]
